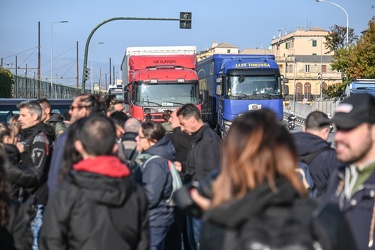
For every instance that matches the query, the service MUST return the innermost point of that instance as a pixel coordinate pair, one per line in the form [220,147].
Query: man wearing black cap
[352,186]
[314,149]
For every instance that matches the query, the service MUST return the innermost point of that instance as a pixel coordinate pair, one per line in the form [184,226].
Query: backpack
[304,172]
[280,228]
[176,180]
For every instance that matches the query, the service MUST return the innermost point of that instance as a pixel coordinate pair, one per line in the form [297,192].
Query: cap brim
[342,120]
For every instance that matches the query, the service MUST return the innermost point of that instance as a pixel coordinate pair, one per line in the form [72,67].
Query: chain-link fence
[25,87]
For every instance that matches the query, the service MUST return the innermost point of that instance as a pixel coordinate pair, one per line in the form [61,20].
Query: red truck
[157,80]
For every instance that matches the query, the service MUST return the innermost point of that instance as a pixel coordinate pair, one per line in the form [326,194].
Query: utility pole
[38,60]
[110,72]
[77,69]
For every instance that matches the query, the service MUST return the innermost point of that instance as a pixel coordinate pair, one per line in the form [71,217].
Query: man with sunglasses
[82,106]
[352,186]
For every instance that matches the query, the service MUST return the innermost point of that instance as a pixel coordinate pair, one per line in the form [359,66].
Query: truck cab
[360,86]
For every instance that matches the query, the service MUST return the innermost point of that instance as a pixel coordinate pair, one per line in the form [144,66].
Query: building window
[228,51]
[314,43]
[290,68]
[314,54]
[324,68]
[307,68]
[287,45]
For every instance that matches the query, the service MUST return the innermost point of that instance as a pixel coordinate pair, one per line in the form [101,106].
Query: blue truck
[237,83]
[360,86]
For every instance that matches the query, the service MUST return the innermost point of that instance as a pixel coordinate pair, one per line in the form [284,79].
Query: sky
[243,23]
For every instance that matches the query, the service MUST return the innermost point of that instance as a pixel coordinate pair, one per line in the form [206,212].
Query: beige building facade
[304,60]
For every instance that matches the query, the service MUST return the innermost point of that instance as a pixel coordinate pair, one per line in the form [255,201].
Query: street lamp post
[347,19]
[52,53]
[321,69]
[92,67]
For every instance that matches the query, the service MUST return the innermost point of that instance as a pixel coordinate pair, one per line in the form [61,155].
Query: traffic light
[87,74]
[185,20]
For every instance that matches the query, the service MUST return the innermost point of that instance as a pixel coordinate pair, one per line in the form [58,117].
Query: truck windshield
[166,95]
[117,92]
[363,85]
[252,85]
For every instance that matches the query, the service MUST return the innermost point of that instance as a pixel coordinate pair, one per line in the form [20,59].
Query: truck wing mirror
[218,89]
[126,88]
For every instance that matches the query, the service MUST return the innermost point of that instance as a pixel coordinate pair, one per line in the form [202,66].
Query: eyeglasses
[74,107]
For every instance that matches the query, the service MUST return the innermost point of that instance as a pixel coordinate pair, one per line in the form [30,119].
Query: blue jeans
[193,229]
[157,237]
[36,224]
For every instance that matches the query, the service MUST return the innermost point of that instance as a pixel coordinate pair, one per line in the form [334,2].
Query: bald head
[132,125]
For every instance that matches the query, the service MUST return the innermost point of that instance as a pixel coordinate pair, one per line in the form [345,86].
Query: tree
[6,82]
[361,59]
[355,61]
[336,38]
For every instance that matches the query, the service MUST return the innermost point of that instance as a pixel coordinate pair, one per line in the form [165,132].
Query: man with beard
[82,106]
[352,186]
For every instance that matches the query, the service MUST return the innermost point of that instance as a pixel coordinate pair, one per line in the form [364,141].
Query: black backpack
[304,171]
[280,228]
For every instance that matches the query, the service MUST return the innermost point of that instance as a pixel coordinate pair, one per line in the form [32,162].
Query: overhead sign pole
[185,23]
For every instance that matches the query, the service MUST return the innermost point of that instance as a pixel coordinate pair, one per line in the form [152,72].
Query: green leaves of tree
[6,82]
[355,62]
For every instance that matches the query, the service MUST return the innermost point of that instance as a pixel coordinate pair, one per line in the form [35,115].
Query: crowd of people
[103,179]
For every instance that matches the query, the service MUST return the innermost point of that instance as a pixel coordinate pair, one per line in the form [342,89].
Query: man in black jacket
[352,185]
[35,148]
[97,205]
[314,139]
[203,157]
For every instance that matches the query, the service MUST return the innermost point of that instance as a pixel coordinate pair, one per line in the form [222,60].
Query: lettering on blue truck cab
[250,65]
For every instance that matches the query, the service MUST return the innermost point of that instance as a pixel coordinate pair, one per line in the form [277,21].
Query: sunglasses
[74,107]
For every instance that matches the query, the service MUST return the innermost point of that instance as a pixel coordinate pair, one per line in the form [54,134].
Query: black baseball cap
[355,110]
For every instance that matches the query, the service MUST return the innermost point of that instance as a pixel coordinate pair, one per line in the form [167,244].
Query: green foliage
[341,62]
[6,82]
[361,58]
[355,62]
[336,38]
[335,90]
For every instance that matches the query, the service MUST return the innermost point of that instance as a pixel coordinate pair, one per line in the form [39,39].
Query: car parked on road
[8,106]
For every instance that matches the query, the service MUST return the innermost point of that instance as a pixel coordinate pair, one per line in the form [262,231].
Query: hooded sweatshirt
[97,206]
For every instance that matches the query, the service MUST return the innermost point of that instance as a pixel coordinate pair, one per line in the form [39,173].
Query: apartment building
[304,60]
[222,48]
